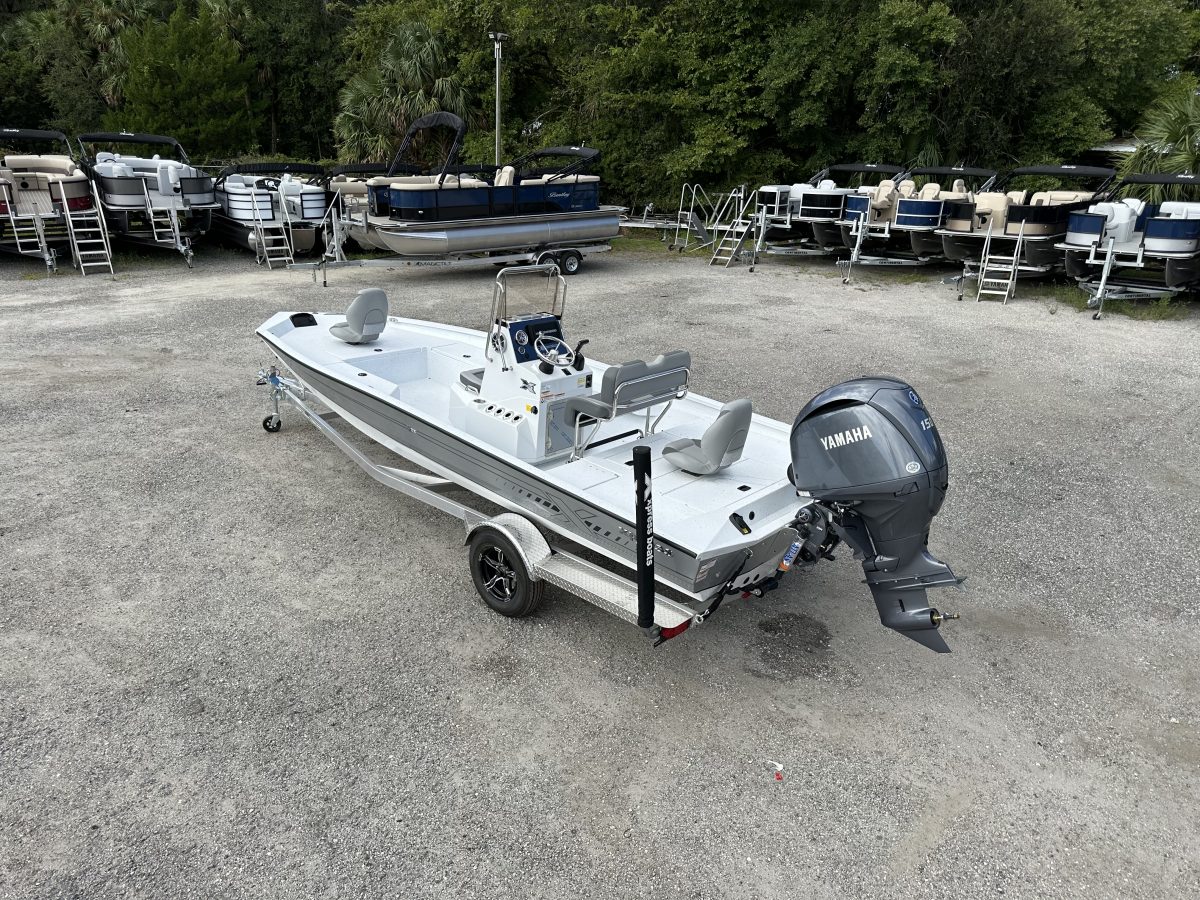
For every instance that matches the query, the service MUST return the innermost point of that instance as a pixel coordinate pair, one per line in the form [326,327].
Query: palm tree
[1168,142]
[413,77]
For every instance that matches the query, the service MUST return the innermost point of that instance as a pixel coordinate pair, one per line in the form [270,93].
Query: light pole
[498,38]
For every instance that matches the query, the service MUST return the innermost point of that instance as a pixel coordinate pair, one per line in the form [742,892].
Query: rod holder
[644,522]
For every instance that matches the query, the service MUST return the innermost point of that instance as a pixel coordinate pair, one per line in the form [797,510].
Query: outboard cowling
[868,450]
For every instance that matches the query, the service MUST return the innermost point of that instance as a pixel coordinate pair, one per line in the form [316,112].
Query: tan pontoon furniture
[36,183]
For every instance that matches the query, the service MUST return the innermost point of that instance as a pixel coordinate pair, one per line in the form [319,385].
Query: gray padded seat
[472,380]
[365,318]
[720,446]
[662,384]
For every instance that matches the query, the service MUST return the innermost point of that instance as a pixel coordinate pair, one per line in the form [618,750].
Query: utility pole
[498,38]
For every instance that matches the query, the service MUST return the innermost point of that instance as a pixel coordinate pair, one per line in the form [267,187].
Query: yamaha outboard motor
[869,452]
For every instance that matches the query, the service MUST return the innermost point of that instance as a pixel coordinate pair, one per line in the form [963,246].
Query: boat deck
[416,365]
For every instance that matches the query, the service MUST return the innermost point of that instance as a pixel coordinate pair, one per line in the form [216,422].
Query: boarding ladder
[87,233]
[333,232]
[998,272]
[733,233]
[164,225]
[272,240]
[27,232]
[693,220]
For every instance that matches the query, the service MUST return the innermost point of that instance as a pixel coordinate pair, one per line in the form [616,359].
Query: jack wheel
[500,576]
[272,423]
[570,262]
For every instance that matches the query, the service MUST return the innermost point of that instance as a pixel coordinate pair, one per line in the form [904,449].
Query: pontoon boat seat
[906,188]
[827,184]
[1179,209]
[1017,198]
[1119,220]
[993,205]
[929,191]
[45,165]
[1138,206]
[884,194]
[1069,196]
[565,179]
[959,186]
[719,447]
[506,176]
[365,318]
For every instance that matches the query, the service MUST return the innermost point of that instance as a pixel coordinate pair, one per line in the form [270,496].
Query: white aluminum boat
[521,419]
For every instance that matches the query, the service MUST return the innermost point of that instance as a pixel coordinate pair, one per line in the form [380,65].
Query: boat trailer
[517,554]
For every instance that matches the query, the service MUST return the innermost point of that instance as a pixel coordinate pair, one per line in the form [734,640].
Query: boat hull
[303,234]
[695,572]
[509,233]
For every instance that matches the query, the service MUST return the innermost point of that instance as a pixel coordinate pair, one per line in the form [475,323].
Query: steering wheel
[269,184]
[553,350]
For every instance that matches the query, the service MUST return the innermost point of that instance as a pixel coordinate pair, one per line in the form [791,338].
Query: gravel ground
[231,665]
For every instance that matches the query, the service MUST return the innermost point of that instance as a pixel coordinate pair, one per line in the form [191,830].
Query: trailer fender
[525,536]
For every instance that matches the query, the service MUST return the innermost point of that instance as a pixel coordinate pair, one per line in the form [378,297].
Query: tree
[412,77]
[186,79]
[1169,140]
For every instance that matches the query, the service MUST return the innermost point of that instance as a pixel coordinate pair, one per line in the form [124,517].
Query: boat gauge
[521,338]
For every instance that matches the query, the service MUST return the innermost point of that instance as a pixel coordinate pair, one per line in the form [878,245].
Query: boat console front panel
[523,331]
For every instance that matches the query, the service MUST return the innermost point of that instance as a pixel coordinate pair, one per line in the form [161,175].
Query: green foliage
[186,78]
[670,90]
[412,77]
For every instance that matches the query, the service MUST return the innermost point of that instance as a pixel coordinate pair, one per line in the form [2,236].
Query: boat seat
[884,194]
[906,188]
[628,388]
[959,186]
[1138,206]
[1068,196]
[1016,198]
[365,318]
[991,205]
[1179,209]
[506,176]
[929,191]
[1118,220]
[827,184]
[472,379]
[1041,198]
[719,447]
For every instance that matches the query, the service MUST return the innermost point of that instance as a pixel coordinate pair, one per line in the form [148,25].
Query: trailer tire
[500,576]
[570,261]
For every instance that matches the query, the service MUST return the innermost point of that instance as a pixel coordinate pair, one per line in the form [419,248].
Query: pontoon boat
[901,218]
[147,199]
[1125,247]
[46,201]
[818,205]
[1007,215]
[517,416]
[266,208]
[522,206]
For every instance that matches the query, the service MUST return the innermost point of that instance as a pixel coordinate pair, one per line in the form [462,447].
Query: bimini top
[362,168]
[273,168]
[954,170]
[584,159]
[862,168]
[432,120]
[126,137]
[33,134]
[1161,178]
[1083,172]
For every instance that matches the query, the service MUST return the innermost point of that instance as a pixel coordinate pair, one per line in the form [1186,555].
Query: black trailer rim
[496,574]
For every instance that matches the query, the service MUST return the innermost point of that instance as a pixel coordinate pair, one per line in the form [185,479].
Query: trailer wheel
[570,261]
[500,575]
[272,424]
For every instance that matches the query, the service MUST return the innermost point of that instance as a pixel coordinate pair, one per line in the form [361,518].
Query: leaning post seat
[628,388]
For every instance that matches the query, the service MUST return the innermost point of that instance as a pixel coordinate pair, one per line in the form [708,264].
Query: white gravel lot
[231,665]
